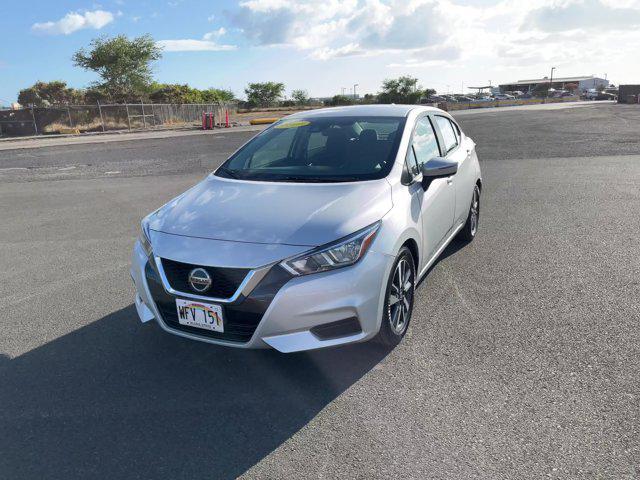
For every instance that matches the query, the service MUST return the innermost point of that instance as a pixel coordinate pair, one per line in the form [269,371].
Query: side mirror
[438,167]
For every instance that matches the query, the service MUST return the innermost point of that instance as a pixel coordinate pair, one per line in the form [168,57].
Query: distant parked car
[590,94]
[504,96]
[434,99]
[605,96]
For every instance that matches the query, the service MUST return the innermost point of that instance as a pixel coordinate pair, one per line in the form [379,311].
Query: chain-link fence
[104,118]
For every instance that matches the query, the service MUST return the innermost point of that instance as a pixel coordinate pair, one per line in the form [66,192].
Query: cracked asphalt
[522,359]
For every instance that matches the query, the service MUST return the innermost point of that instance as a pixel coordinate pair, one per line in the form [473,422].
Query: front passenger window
[448,134]
[425,143]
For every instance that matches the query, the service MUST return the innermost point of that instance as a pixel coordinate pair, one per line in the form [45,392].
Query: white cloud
[215,34]
[437,56]
[584,15]
[339,28]
[74,21]
[349,50]
[207,43]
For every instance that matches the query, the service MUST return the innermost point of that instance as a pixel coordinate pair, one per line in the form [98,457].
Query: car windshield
[323,149]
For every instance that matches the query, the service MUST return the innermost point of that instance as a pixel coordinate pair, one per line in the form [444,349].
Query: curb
[19,143]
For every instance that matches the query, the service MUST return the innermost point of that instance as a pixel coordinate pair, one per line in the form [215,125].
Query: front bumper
[292,311]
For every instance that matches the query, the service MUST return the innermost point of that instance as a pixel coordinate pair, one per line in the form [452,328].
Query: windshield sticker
[301,123]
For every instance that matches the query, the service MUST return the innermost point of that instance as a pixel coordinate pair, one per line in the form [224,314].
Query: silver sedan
[314,233]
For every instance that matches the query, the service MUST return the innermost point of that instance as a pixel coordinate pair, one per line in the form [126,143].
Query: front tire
[470,229]
[398,302]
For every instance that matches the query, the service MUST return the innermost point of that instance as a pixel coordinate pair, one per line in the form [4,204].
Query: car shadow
[119,399]
[454,247]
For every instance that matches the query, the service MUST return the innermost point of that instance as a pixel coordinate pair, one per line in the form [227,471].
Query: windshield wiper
[228,172]
[320,179]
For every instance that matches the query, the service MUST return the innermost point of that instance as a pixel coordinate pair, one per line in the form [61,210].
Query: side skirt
[444,245]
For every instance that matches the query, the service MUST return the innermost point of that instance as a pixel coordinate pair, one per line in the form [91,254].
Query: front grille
[241,318]
[237,327]
[225,280]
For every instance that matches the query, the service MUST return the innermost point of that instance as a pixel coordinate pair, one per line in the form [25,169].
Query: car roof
[363,111]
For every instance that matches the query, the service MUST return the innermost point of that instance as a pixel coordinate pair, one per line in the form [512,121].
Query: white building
[584,83]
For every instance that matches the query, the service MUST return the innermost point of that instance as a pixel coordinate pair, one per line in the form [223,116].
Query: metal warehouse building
[584,83]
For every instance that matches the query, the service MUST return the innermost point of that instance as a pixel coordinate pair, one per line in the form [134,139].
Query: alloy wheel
[475,212]
[401,297]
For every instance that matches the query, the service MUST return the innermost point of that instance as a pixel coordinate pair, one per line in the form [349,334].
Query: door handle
[449,181]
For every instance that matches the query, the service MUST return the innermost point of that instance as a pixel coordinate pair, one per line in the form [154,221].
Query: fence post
[101,119]
[128,117]
[69,115]
[144,120]
[33,115]
[153,115]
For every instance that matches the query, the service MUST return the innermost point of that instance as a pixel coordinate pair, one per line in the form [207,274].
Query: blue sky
[325,46]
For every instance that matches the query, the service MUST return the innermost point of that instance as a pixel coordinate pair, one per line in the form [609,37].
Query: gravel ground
[522,360]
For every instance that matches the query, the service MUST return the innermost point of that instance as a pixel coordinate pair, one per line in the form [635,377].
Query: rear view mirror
[438,167]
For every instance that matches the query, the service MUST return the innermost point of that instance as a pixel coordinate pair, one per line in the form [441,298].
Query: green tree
[428,92]
[264,94]
[173,93]
[404,89]
[217,95]
[176,93]
[369,99]
[541,90]
[42,94]
[338,100]
[123,64]
[571,87]
[301,97]
[95,94]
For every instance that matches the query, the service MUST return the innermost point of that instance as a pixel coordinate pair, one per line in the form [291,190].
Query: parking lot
[522,359]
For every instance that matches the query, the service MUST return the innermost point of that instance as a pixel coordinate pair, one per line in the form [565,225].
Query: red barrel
[207,120]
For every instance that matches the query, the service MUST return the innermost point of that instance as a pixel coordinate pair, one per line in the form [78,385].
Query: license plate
[196,314]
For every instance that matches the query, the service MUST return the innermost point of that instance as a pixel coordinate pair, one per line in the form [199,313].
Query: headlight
[144,237]
[342,253]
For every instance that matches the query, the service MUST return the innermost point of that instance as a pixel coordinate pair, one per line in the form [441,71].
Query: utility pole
[550,81]
[343,90]
[355,85]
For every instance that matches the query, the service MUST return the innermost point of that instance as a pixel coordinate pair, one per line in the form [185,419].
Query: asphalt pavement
[522,359]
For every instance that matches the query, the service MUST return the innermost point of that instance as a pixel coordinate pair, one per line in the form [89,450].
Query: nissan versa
[314,233]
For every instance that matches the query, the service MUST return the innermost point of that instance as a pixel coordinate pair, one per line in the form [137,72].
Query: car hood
[308,214]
